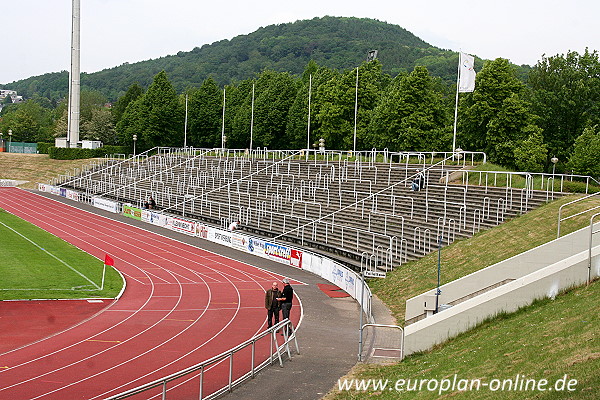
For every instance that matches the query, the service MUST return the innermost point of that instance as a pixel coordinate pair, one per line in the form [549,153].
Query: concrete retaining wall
[498,274]
[530,283]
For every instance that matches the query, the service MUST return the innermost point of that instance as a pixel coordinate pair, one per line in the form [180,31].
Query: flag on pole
[466,73]
[109,261]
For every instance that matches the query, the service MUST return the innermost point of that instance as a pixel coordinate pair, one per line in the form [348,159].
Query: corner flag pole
[107,261]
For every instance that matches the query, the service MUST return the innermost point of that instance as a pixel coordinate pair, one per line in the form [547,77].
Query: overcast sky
[36,34]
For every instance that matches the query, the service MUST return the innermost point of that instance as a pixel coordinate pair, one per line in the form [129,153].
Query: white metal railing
[276,351]
[560,209]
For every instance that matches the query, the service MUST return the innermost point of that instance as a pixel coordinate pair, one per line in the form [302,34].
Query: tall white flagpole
[456,105]
[252,119]
[185,122]
[223,122]
[309,95]
[355,111]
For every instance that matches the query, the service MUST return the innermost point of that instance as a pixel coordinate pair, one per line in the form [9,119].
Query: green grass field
[35,264]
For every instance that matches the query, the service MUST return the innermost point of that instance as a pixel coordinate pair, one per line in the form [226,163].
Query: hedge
[42,147]
[65,153]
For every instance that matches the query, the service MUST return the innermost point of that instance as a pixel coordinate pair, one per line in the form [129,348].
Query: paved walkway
[328,335]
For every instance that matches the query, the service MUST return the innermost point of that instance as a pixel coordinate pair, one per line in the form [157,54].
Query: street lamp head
[554,160]
[134,138]
[458,152]
[10,132]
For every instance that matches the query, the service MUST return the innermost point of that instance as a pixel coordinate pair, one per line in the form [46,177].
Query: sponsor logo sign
[181,225]
[296,258]
[154,218]
[72,195]
[106,205]
[201,231]
[375,274]
[219,236]
[239,242]
[256,247]
[277,252]
[132,212]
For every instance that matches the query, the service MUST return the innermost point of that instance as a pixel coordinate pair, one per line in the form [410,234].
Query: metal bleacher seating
[362,212]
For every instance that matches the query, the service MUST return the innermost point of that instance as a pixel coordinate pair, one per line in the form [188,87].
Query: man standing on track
[286,299]
[272,304]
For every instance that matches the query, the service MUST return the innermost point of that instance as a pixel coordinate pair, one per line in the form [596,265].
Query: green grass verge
[35,264]
[478,176]
[546,340]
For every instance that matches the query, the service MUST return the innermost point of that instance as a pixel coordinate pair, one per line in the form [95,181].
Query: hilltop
[334,42]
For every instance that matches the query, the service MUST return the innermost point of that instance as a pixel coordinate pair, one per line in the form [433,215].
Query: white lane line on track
[71,216]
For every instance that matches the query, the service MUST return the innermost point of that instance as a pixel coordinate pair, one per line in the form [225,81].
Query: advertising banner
[296,258]
[154,218]
[42,187]
[277,252]
[219,236]
[55,190]
[62,192]
[256,246]
[201,230]
[239,242]
[106,205]
[181,225]
[72,195]
[132,212]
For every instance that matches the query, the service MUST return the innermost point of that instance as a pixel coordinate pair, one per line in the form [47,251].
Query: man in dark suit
[272,304]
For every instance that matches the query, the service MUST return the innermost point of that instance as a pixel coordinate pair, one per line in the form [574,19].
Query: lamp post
[321,144]
[9,139]
[134,141]
[438,292]
[554,160]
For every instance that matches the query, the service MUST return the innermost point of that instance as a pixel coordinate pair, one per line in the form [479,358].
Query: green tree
[297,125]
[29,122]
[238,114]
[101,127]
[336,106]
[121,104]
[205,106]
[411,115]
[156,117]
[495,118]
[531,153]
[275,93]
[566,97]
[584,159]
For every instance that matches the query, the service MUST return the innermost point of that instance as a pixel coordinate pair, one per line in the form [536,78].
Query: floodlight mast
[74,84]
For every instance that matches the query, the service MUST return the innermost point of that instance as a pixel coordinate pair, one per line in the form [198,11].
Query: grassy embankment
[546,340]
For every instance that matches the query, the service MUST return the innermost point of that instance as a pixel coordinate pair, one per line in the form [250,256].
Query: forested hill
[334,42]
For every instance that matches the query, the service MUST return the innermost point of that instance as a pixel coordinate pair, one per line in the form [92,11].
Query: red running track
[182,305]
